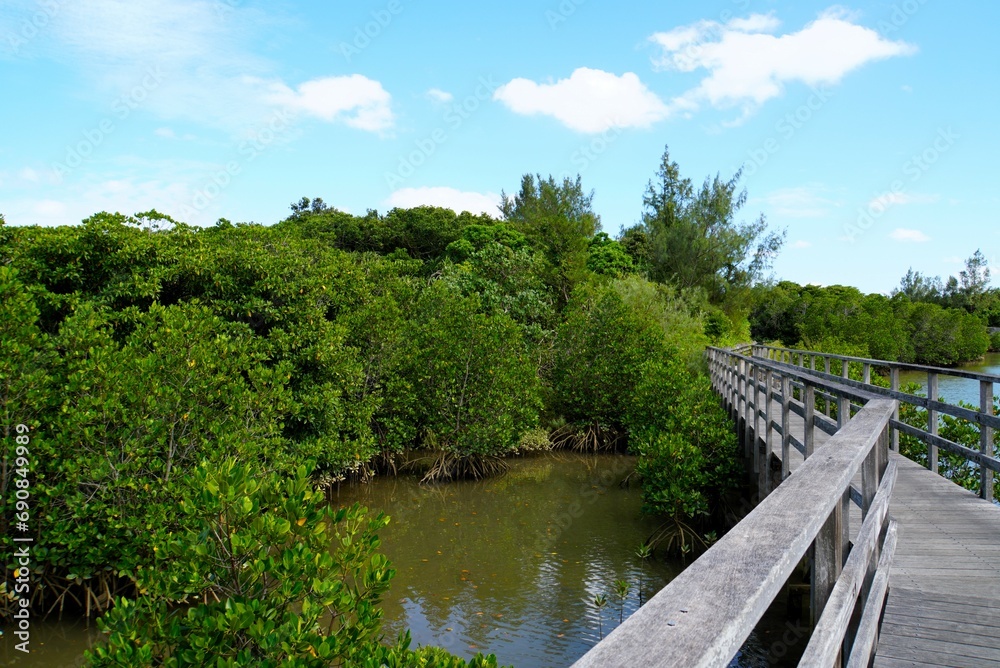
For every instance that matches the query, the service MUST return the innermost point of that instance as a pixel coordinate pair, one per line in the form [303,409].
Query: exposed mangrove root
[450,466]
[677,538]
[59,594]
[591,438]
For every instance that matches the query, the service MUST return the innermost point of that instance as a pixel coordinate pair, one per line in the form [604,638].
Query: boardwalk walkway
[943,606]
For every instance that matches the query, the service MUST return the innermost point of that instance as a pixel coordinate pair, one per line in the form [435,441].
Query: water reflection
[511,565]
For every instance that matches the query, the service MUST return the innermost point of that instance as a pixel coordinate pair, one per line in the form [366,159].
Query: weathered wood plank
[830,629]
[867,635]
[718,599]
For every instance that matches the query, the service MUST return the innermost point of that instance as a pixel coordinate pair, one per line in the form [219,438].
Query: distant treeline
[925,322]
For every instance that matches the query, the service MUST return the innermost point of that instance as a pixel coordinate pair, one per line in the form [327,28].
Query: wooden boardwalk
[943,606]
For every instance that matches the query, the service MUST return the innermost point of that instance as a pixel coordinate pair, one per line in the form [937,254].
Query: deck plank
[943,606]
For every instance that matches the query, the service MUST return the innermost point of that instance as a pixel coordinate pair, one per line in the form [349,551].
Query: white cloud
[203,55]
[903,234]
[355,100]
[747,65]
[165,133]
[440,96]
[449,198]
[801,244]
[798,202]
[588,101]
[892,198]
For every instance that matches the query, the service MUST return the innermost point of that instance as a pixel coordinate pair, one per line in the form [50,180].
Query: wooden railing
[703,616]
[837,368]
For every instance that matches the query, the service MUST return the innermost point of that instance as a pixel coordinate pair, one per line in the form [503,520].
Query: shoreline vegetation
[193,394]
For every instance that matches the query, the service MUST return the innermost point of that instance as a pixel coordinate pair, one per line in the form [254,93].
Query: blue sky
[867,130]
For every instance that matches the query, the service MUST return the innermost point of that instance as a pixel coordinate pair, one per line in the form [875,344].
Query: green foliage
[593,382]
[608,257]
[685,441]
[534,440]
[842,319]
[478,386]
[695,240]
[995,341]
[250,580]
[557,219]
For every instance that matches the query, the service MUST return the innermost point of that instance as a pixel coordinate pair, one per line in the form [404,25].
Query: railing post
[866,373]
[786,432]
[986,439]
[844,404]
[827,562]
[738,399]
[932,421]
[764,479]
[747,424]
[826,401]
[751,417]
[894,383]
[809,421]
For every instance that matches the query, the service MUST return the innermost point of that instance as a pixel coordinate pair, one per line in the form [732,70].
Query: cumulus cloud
[355,100]
[439,96]
[903,234]
[747,64]
[449,198]
[589,101]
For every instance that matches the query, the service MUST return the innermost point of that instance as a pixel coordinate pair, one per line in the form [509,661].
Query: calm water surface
[951,389]
[507,565]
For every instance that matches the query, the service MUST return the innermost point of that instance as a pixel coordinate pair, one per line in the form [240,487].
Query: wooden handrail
[983,417]
[705,614]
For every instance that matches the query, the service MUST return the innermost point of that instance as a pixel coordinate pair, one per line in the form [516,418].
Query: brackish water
[507,565]
[951,389]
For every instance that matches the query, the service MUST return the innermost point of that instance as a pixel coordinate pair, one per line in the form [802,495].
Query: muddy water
[510,565]
[507,565]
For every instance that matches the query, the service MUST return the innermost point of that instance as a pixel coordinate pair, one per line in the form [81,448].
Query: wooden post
[844,405]
[894,383]
[932,421]
[740,380]
[866,373]
[986,439]
[826,401]
[751,418]
[764,478]
[809,404]
[827,562]
[786,432]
